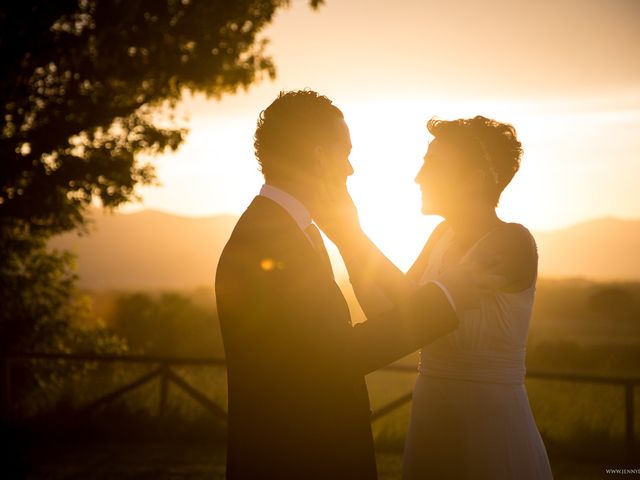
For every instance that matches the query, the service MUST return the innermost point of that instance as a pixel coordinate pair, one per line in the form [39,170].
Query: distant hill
[601,249]
[149,250]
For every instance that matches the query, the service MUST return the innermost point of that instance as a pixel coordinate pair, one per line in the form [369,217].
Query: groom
[298,402]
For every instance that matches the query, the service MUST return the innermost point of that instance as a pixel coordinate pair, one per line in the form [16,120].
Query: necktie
[314,234]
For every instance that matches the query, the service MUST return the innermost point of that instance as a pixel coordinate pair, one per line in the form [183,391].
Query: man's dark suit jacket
[298,402]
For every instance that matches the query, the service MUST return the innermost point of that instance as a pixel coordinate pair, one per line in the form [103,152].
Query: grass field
[582,424]
[205,461]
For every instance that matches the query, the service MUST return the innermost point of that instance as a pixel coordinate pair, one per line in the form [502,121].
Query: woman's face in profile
[445,183]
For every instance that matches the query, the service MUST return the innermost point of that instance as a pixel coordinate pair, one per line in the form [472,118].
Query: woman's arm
[515,251]
[377,282]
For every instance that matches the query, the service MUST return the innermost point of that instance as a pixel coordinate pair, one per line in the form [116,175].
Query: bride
[470,416]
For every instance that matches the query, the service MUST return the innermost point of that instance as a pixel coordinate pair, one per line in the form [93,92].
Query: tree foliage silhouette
[81,86]
[81,80]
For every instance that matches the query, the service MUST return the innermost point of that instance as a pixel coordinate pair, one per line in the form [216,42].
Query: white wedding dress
[470,417]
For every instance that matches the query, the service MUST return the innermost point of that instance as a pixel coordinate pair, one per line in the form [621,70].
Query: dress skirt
[462,429]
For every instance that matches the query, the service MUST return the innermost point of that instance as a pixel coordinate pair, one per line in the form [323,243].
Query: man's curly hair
[289,128]
[488,144]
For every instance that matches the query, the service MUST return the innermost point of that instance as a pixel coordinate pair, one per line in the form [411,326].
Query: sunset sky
[565,73]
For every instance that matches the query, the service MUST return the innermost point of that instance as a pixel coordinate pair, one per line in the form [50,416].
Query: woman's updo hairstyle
[488,145]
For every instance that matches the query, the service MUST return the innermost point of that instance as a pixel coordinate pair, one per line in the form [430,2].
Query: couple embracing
[298,401]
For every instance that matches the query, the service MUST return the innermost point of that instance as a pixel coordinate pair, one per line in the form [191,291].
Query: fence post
[164,388]
[629,418]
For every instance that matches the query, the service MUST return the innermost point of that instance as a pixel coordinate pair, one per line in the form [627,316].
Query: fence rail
[163,371]
[167,375]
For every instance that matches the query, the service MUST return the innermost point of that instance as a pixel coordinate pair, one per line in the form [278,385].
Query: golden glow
[390,139]
[267,264]
[573,97]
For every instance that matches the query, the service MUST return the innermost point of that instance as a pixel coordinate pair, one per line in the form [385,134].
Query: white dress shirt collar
[292,205]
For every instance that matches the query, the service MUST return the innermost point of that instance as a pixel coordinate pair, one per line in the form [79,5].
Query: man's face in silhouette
[332,158]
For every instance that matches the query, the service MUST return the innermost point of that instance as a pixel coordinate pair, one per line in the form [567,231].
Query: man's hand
[470,281]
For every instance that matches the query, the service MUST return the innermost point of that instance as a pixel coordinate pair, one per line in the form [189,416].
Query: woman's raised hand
[334,211]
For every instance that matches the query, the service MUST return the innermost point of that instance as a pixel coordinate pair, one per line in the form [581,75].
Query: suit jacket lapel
[283,219]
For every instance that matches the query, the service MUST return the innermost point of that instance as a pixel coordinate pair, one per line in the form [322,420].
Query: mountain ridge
[152,249]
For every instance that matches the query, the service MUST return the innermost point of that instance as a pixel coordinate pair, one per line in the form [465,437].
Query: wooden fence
[163,370]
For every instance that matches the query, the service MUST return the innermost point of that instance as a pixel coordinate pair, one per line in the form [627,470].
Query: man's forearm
[425,316]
